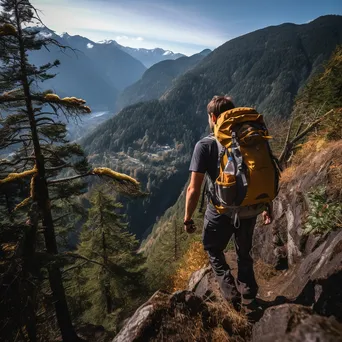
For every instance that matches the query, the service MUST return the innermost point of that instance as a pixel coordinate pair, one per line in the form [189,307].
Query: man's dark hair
[219,105]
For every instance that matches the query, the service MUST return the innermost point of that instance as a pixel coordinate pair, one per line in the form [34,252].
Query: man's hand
[189,226]
[192,196]
[267,217]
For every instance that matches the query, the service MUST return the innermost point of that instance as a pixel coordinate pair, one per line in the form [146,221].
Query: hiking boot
[236,302]
[252,309]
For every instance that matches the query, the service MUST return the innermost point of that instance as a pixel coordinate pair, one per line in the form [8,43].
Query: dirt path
[272,283]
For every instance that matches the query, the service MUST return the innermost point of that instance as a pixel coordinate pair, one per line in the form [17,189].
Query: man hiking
[221,223]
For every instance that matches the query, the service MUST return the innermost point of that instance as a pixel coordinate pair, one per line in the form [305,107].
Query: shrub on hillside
[323,216]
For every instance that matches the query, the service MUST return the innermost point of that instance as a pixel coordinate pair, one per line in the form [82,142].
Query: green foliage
[111,284]
[167,244]
[323,216]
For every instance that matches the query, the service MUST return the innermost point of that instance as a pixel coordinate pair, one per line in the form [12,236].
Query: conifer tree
[42,160]
[113,281]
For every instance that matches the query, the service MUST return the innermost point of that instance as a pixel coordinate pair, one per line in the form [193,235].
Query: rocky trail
[299,275]
[293,308]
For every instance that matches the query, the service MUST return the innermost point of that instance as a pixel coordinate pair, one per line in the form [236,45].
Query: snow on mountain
[148,57]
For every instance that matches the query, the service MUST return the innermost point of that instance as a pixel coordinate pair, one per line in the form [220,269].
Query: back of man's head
[219,105]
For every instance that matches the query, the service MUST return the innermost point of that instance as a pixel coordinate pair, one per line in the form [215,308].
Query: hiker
[223,217]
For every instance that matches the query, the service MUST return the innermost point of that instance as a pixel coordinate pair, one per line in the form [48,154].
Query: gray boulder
[290,322]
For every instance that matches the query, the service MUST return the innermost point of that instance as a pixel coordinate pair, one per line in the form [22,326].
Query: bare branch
[51,169]
[289,145]
[67,179]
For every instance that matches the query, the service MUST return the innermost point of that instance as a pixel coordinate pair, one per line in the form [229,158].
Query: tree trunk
[109,301]
[176,240]
[29,270]
[41,195]
[107,292]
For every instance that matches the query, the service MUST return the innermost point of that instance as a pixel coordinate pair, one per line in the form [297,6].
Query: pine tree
[42,160]
[113,280]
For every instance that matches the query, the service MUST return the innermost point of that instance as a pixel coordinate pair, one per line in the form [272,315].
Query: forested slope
[158,79]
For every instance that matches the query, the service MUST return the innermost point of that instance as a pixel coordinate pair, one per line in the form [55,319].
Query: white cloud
[121,38]
[140,39]
[90,45]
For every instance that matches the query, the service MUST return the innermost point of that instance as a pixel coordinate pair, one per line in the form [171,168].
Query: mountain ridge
[158,79]
[147,57]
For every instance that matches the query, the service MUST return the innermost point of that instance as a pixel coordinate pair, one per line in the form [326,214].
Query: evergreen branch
[5,162]
[46,113]
[111,268]
[74,267]
[54,153]
[13,142]
[47,119]
[60,218]
[78,256]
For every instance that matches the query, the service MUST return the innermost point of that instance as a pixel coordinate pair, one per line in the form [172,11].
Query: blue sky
[186,26]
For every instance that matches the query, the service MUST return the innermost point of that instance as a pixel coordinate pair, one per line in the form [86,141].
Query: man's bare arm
[193,194]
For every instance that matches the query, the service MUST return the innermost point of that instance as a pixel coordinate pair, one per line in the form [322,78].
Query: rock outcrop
[313,263]
[295,323]
[182,316]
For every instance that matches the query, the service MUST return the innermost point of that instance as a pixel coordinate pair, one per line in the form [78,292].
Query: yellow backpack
[242,140]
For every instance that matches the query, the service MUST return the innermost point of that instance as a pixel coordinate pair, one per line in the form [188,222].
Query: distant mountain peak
[65,35]
[150,57]
[205,52]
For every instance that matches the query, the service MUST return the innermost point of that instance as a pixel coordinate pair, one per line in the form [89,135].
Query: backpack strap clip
[236,219]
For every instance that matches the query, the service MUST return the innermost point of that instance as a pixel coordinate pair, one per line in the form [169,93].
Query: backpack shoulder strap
[208,185]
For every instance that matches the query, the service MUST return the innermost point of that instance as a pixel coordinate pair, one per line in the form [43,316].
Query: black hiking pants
[217,232]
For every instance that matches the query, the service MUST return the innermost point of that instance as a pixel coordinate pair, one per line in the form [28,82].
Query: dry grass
[220,335]
[222,324]
[194,259]
[288,174]
[224,315]
[311,147]
[178,327]
[302,158]
[264,271]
